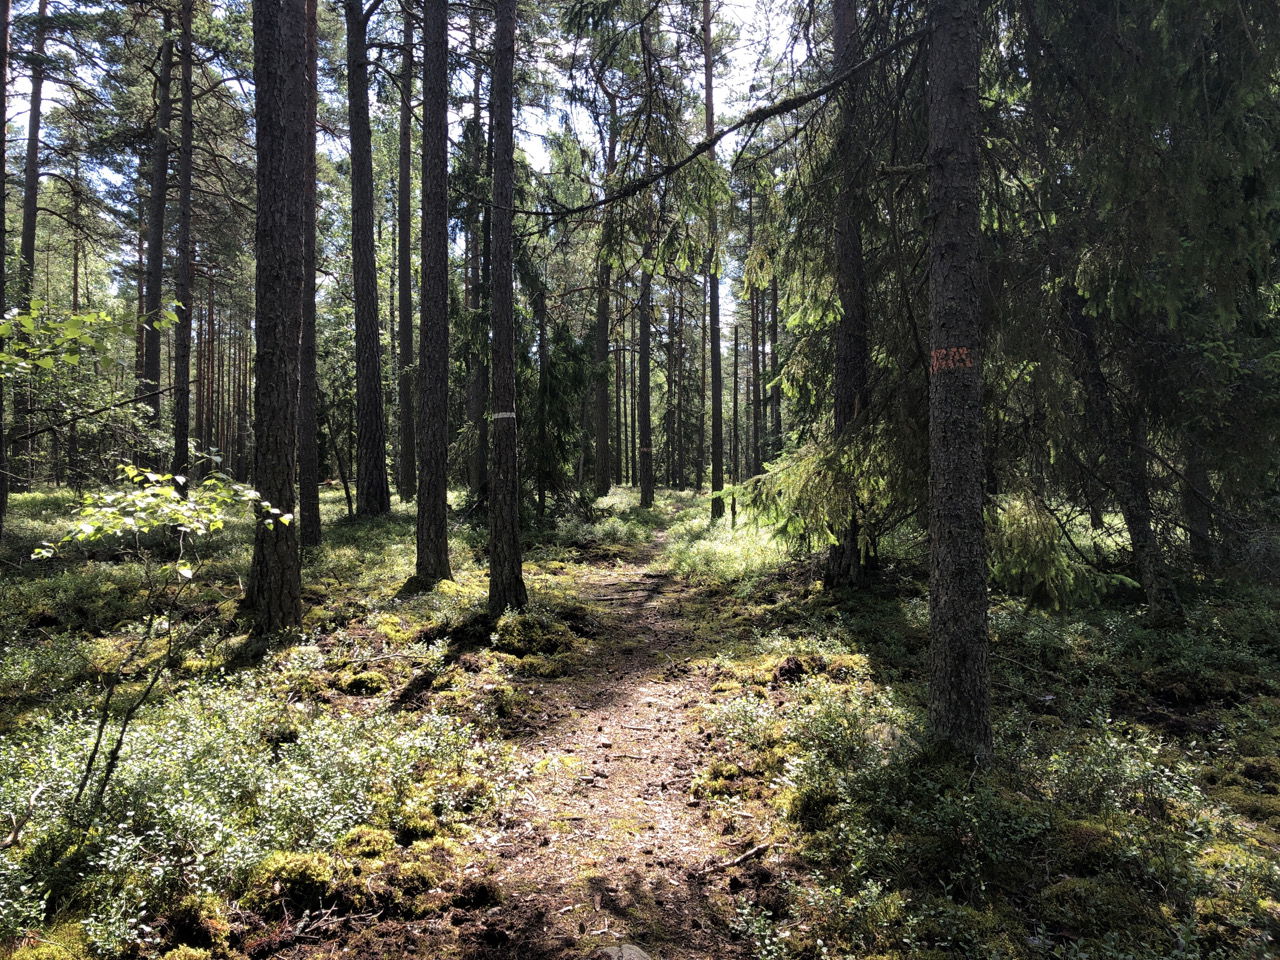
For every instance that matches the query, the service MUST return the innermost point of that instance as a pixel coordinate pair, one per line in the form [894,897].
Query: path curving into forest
[606,844]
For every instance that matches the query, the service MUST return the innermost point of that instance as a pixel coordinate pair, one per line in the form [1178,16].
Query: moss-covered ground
[683,743]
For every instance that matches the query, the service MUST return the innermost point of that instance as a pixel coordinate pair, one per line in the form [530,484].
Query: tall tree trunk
[4,248]
[506,582]
[308,385]
[20,455]
[546,456]
[373,496]
[280,95]
[433,350]
[844,559]
[157,203]
[959,681]
[775,370]
[603,326]
[478,248]
[713,281]
[184,288]
[406,463]
[642,392]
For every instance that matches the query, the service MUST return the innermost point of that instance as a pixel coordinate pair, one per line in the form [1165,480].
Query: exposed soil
[605,843]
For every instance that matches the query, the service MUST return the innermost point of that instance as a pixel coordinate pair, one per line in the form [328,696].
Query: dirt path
[606,844]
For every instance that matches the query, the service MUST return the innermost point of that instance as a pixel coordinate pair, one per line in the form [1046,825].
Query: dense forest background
[359,360]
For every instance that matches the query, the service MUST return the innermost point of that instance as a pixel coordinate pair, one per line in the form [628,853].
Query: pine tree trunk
[19,460]
[844,560]
[280,94]
[406,463]
[713,283]
[184,288]
[373,496]
[642,393]
[4,249]
[506,582]
[775,370]
[433,351]
[546,455]
[308,386]
[157,203]
[959,683]
[603,466]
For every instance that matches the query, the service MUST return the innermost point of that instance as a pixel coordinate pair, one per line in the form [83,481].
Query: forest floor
[604,843]
[683,746]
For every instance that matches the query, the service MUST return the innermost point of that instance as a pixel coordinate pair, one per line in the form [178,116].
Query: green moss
[537,665]
[717,780]
[1097,904]
[43,951]
[187,953]
[366,843]
[1083,845]
[1265,808]
[302,880]
[532,632]
[366,684]
[200,920]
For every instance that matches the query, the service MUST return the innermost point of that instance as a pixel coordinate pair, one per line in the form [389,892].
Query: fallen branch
[740,859]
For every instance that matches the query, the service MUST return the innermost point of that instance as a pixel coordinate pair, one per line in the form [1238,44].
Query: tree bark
[713,283]
[959,682]
[308,386]
[4,248]
[433,351]
[20,455]
[506,582]
[373,495]
[603,464]
[157,203]
[643,398]
[184,288]
[775,369]
[280,95]
[406,463]
[845,567]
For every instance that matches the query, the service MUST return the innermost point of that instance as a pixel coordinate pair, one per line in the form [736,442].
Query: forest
[640,479]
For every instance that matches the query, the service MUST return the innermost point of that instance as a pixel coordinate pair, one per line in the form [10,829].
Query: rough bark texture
[184,289]
[373,495]
[406,463]
[643,398]
[157,202]
[4,248]
[713,284]
[844,560]
[600,393]
[603,461]
[31,166]
[280,96]
[308,387]
[20,454]
[959,694]
[506,583]
[433,351]
[775,370]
